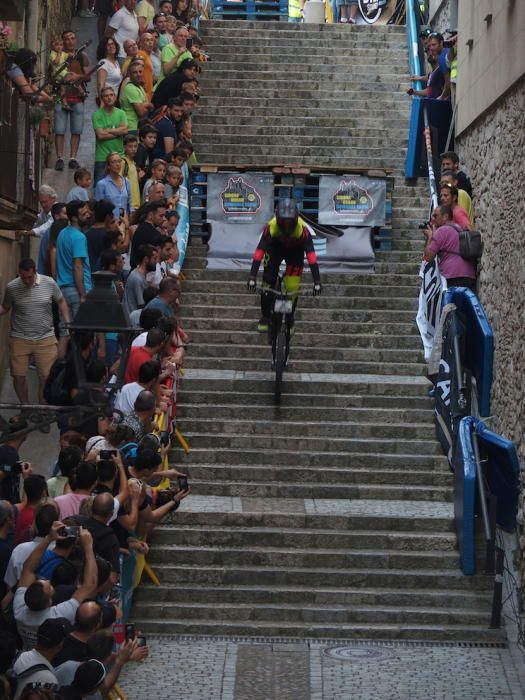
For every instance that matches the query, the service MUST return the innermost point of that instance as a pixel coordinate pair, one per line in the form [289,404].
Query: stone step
[218,288]
[273,157]
[306,136]
[303,339]
[193,398]
[182,573]
[313,147]
[321,595]
[285,557]
[381,279]
[314,110]
[244,352]
[313,384]
[314,477]
[304,313]
[264,489]
[312,614]
[297,365]
[340,96]
[218,26]
[364,72]
[355,126]
[303,538]
[207,628]
[245,300]
[191,409]
[250,442]
[340,327]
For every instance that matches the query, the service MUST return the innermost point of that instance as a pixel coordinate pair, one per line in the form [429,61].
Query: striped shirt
[32,316]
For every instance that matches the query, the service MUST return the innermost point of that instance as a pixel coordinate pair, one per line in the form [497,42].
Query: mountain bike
[280,331]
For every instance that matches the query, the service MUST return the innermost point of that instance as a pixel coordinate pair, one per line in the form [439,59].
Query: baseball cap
[53,631]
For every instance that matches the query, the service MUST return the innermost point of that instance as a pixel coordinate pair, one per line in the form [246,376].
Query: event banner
[350,252]
[351,200]
[238,206]
[427,319]
[183,227]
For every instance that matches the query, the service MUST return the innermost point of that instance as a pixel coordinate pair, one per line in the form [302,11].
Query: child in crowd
[171,188]
[147,140]
[129,168]
[83,180]
[158,173]
[57,58]
[171,24]
[178,157]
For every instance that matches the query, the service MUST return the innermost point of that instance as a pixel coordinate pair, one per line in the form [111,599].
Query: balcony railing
[20,150]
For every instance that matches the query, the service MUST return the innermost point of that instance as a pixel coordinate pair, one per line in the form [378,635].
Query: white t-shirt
[28,621]
[127,26]
[140,340]
[44,678]
[113,74]
[126,399]
[18,558]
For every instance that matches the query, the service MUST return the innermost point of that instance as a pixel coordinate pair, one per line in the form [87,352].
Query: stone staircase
[312,95]
[330,516]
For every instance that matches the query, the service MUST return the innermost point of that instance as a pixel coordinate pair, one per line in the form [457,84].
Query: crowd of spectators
[63,540]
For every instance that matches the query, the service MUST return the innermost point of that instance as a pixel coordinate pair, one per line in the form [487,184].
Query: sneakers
[74,164]
[343,20]
[264,325]
[350,20]
[59,165]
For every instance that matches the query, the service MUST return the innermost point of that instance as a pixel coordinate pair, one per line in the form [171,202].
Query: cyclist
[285,237]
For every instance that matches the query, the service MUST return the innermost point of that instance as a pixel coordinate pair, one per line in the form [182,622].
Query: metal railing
[20,149]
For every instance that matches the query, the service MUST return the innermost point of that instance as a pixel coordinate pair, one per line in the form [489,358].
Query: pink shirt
[445,243]
[69,504]
[460,217]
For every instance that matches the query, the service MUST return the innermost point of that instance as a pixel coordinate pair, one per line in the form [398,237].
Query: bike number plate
[283,306]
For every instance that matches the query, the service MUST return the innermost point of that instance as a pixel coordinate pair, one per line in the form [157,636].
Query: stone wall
[493,151]
[442,14]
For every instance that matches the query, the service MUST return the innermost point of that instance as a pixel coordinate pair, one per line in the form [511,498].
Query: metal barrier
[250,9]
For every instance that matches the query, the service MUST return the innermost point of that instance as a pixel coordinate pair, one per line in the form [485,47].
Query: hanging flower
[5,35]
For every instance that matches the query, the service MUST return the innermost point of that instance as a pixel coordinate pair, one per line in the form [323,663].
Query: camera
[423,225]
[108,454]
[70,531]
[183,482]
[129,631]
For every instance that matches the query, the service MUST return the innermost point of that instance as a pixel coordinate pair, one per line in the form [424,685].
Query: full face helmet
[287,215]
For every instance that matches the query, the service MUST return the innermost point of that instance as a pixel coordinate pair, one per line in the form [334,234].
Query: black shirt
[9,485]
[105,542]
[464,182]
[95,241]
[146,233]
[72,650]
[5,554]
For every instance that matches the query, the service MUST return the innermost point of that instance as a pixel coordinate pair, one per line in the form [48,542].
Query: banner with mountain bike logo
[351,200]
[238,206]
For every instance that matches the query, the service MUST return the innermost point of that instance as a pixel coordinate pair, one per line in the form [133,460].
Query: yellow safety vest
[276,231]
[294,9]
[454,69]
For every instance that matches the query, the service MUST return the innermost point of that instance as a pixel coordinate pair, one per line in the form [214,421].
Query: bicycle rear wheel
[369,16]
[280,359]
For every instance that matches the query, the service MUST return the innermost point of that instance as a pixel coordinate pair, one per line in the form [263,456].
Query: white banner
[432,287]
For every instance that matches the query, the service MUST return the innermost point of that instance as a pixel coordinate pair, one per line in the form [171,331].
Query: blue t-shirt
[158,303]
[71,244]
[79,193]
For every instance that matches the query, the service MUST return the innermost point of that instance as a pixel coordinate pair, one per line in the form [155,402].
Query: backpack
[54,391]
[15,678]
[128,452]
[470,245]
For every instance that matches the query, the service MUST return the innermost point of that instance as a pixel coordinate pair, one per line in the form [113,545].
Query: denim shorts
[72,298]
[346,3]
[77,119]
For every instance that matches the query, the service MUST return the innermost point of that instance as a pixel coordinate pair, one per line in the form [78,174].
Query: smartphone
[129,631]
[141,642]
[108,454]
[183,482]
[121,212]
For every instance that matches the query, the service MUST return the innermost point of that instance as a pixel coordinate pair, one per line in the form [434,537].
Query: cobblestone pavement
[244,669]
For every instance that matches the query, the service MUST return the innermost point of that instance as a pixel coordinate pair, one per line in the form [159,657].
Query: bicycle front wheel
[370,16]
[280,358]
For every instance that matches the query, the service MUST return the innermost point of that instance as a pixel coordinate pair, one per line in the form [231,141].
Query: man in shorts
[32,334]
[73,103]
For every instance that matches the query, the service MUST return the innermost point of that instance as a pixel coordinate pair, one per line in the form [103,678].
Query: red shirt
[137,357]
